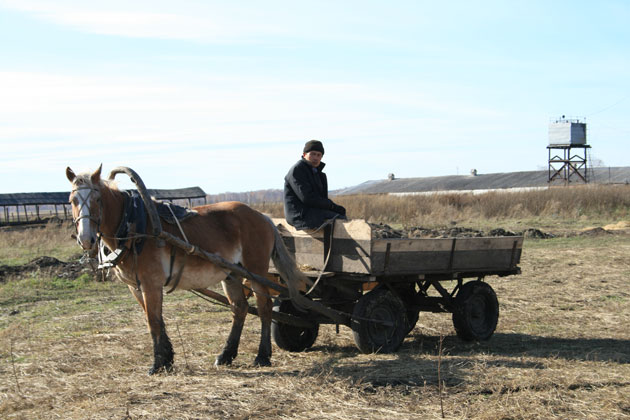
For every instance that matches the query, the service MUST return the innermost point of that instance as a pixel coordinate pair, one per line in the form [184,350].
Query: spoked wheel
[476,311]
[379,323]
[290,337]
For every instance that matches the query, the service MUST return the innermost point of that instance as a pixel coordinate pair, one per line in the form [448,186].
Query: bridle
[86,203]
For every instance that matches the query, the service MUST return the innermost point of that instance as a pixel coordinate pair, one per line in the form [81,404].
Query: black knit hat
[313,145]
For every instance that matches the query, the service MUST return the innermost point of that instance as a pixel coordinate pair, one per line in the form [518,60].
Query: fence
[34,214]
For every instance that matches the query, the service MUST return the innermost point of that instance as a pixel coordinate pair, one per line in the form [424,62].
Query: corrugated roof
[503,180]
[49,198]
[19,199]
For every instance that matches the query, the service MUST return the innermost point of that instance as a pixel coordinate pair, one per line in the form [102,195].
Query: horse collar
[133,222]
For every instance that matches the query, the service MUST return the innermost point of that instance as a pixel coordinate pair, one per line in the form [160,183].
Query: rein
[177,276]
[328,222]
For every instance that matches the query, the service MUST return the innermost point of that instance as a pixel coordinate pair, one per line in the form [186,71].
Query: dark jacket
[306,202]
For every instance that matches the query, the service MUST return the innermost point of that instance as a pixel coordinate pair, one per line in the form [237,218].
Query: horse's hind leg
[263,302]
[151,300]
[234,290]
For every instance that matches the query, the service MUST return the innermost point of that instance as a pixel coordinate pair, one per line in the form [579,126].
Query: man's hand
[339,209]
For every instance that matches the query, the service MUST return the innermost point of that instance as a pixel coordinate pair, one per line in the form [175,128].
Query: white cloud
[223,22]
[132,109]
[134,19]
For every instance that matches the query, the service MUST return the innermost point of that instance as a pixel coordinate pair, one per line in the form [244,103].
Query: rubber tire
[408,295]
[371,337]
[289,337]
[476,311]
[412,319]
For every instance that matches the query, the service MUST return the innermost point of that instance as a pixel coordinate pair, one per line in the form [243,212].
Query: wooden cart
[377,287]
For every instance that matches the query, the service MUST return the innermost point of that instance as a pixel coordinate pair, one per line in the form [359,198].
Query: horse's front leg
[238,303]
[138,295]
[162,348]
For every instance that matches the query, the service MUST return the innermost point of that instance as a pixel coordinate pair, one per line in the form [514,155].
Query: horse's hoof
[223,360]
[262,361]
[161,369]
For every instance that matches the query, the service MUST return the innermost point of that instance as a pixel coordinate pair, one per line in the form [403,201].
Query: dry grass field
[74,348]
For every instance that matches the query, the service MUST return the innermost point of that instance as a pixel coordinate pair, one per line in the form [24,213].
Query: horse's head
[85,199]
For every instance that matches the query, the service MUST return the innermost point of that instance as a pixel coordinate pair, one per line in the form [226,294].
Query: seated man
[306,202]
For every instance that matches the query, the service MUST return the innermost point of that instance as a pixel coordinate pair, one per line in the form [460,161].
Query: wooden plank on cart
[350,251]
[446,255]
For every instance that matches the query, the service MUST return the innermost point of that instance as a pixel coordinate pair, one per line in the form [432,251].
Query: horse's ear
[70,174]
[96,176]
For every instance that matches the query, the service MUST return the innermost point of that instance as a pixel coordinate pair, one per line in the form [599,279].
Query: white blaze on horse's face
[86,211]
[86,206]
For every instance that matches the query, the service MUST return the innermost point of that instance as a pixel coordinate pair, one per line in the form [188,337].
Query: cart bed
[355,250]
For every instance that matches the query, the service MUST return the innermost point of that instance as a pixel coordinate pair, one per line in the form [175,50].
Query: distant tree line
[249,197]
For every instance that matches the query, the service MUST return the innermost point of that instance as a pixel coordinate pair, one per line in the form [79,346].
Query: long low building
[33,207]
[480,182]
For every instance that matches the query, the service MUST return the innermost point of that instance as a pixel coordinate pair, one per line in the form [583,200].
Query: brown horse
[231,230]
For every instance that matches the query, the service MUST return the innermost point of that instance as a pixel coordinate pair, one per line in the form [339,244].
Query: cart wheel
[412,319]
[289,337]
[476,311]
[372,336]
[408,295]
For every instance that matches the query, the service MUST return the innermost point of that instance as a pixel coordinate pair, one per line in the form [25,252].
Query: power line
[610,106]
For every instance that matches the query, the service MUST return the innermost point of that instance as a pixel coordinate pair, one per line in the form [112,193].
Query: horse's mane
[85,178]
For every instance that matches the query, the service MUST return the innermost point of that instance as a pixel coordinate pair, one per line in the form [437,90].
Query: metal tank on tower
[567,151]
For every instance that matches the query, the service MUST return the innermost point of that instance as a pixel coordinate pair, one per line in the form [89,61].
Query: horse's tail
[286,266]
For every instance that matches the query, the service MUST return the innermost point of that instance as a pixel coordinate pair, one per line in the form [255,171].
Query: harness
[131,235]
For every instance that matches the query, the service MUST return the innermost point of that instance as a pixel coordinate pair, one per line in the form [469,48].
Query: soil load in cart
[382,284]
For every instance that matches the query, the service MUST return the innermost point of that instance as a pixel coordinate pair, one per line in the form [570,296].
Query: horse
[232,230]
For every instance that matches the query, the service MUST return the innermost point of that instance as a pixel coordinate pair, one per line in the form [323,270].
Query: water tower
[567,151]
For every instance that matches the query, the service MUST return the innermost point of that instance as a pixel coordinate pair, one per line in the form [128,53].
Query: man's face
[314,157]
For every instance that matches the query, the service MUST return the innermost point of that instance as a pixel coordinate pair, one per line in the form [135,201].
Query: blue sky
[223,95]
